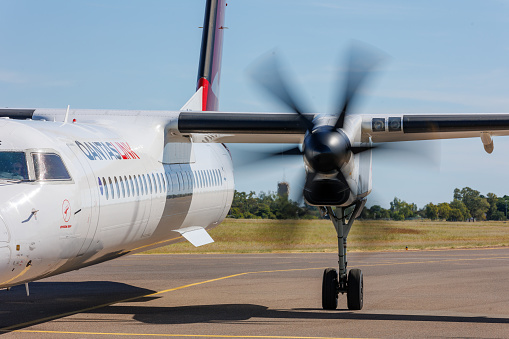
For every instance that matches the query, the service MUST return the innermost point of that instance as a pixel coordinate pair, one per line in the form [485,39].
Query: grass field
[257,236]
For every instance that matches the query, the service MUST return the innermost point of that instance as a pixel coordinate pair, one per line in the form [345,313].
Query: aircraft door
[5,251]
[88,213]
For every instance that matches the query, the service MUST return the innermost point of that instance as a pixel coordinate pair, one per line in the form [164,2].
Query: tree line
[269,206]
[467,204]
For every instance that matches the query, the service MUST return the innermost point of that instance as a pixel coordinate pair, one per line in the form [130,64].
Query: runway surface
[456,293]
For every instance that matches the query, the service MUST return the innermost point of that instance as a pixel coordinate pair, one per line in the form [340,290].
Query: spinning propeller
[326,147]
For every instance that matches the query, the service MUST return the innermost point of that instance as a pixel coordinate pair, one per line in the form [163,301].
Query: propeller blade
[360,149]
[267,73]
[362,60]
[290,151]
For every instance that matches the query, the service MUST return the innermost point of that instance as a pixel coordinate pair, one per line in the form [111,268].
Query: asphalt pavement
[453,293]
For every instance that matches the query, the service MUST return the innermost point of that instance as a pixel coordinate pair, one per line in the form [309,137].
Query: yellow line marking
[49,318]
[174,335]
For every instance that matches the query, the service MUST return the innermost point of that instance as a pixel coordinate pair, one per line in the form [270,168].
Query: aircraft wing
[243,127]
[289,128]
[406,127]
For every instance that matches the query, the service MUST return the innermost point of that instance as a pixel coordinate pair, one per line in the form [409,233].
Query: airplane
[79,186]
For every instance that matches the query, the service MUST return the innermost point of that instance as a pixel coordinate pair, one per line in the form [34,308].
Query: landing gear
[334,282]
[330,289]
[354,295]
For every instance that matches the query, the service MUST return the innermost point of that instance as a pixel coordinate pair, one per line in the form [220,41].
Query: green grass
[259,236]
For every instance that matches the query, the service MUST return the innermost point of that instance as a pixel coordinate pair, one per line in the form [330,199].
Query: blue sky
[444,56]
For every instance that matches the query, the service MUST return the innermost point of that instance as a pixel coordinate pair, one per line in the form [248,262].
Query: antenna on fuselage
[67,114]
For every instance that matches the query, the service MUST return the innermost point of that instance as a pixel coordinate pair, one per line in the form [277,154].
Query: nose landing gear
[351,283]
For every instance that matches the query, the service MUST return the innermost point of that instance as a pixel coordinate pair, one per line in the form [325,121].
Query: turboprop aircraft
[79,187]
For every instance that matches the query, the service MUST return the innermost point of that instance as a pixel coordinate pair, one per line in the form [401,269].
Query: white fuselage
[132,184]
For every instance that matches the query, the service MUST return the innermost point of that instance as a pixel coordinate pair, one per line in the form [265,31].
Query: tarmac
[450,293]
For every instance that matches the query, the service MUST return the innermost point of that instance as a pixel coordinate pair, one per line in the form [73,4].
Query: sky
[443,57]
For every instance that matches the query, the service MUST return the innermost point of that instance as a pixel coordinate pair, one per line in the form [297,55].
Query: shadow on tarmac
[55,299]
[225,313]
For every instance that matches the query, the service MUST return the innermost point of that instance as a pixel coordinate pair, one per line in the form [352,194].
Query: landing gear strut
[334,282]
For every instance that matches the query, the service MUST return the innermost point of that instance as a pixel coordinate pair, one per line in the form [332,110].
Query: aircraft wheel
[330,289]
[355,289]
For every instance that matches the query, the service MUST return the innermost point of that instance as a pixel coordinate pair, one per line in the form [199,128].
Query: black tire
[355,290]
[330,289]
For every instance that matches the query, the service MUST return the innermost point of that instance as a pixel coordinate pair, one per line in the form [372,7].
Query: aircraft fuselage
[76,194]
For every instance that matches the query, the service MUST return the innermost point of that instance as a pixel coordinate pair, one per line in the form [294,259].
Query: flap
[196,235]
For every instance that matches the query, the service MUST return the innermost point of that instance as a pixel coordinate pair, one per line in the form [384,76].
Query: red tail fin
[209,71]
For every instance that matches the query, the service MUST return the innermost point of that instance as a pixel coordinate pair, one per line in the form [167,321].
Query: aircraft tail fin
[209,70]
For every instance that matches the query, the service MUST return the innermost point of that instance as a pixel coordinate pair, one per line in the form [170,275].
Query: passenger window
[49,166]
[105,188]
[137,186]
[101,189]
[154,182]
[122,186]
[118,188]
[127,186]
[163,178]
[144,184]
[158,175]
[111,188]
[142,192]
[149,183]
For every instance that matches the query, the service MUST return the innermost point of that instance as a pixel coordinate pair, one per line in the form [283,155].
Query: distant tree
[397,216]
[462,212]
[457,194]
[444,210]
[431,211]
[456,215]
[492,200]
[502,204]
[497,215]
[398,206]
[376,212]
[477,205]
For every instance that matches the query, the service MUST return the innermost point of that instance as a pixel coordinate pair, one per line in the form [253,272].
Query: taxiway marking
[175,335]
[62,315]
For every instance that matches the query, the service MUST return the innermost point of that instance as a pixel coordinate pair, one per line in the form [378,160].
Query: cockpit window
[49,166]
[13,165]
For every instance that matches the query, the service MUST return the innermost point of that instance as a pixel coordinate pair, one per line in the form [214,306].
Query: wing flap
[196,235]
